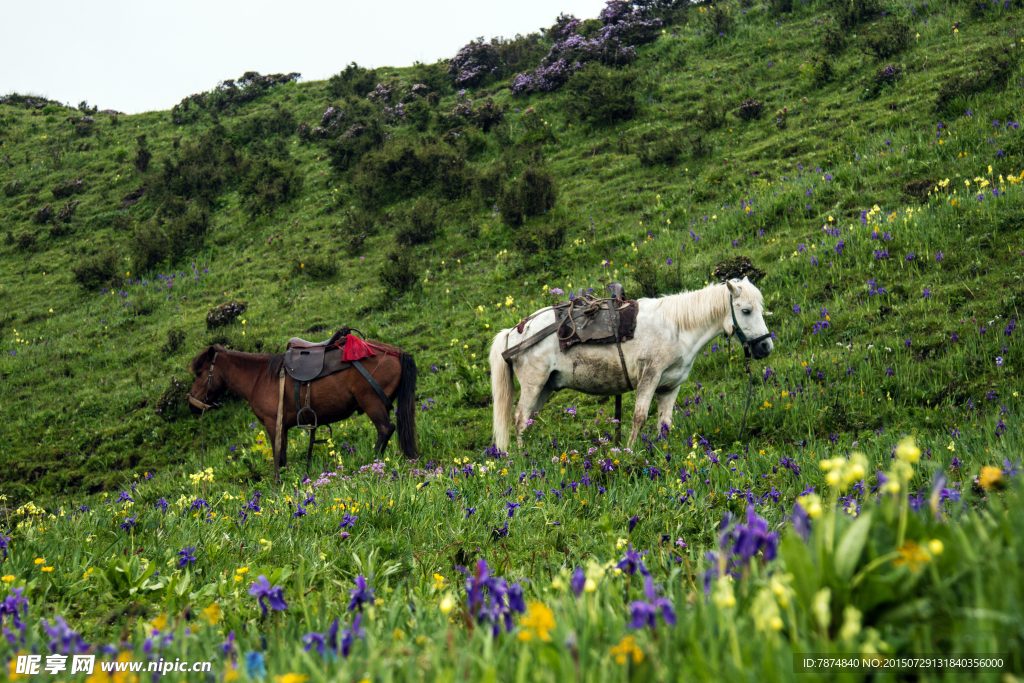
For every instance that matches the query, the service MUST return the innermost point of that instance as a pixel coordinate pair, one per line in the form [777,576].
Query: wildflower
[912,555]
[360,594]
[907,451]
[447,603]
[261,590]
[578,581]
[212,613]
[626,649]
[811,504]
[348,521]
[128,524]
[187,556]
[765,611]
[633,521]
[822,607]
[724,597]
[991,478]
[538,621]
[632,562]
[644,613]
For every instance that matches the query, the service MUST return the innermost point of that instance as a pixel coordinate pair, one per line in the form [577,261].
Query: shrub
[12,188]
[142,155]
[888,75]
[225,314]
[354,80]
[659,146]
[645,275]
[420,224]
[175,338]
[474,63]
[988,68]
[602,96]
[173,402]
[531,194]
[98,270]
[711,115]
[263,125]
[750,109]
[357,226]
[397,275]
[68,188]
[736,268]
[67,212]
[120,155]
[781,6]
[486,116]
[781,118]
[717,21]
[887,39]
[228,95]
[833,39]
[268,184]
[317,267]
[540,235]
[43,215]
[200,170]
[821,72]
[700,144]
[850,13]
[519,53]
[354,144]
[179,228]
[403,169]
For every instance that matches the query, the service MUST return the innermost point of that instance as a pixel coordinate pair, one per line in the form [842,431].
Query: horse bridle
[209,384]
[738,331]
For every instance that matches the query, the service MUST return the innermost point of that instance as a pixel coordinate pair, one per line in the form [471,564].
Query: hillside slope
[869,164]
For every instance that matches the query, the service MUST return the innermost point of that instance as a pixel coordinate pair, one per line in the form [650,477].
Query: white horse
[670,332]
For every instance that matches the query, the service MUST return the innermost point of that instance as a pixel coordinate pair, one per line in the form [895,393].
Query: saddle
[305,361]
[586,319]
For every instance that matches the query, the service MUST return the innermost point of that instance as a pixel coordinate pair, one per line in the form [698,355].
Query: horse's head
[209,383]
[746,318]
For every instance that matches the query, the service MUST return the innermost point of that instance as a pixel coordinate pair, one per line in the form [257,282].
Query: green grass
[89,406]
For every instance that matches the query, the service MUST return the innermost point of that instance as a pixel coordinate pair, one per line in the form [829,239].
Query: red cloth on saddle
[355,349]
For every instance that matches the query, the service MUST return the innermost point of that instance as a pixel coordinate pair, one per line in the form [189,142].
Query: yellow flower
[907,451]
[7,579]
[811,503]
[935,547]
[626,648]
[508,301]
[212,613]
[40,560]
[291,678]
[539,620]
[47,569]
[230,674]
[724,597]
[912,555]
[439,582]
[12,671]
[160,622]
[447,603]
[991,478]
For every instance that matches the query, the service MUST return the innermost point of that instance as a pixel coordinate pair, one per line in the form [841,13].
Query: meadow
[863,164]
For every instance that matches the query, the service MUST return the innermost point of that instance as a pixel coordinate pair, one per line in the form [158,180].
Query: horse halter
[736,330]
[209,384]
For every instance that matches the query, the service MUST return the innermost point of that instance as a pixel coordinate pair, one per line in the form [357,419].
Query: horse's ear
[733,289]
[200,360]
[746,279]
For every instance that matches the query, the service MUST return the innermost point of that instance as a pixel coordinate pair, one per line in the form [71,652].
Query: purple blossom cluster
[490,599]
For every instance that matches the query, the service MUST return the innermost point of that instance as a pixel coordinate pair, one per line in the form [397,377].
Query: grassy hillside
[883,206]
[864,162]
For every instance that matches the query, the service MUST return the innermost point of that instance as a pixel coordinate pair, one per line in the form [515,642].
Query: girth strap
[373,383]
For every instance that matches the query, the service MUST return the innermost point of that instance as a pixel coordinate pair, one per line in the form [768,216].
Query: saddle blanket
[355,349]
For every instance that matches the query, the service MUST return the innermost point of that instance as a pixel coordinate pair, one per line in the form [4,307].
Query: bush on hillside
[403,169]
[531,194]
[43,215]
[178,228]
[355,143]
[142,155]
[420,224]
[268,184]
[200,170]
[225,314]
[397,275]
[781,6]
[718,22]
[486,116]
[67,188]
[539,235]
[355,228]
[659,146]
[173,402]
[98,270]
[175,339]
[228,95]
[602,96]
[471,66]
[750,109]
[263,125]
[321,266]
[354,80]
[989,68]
[712,113]
[833,39]
[850,13]
[886,39]
[12,188]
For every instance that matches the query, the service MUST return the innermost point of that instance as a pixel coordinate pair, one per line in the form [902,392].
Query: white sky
[145,55]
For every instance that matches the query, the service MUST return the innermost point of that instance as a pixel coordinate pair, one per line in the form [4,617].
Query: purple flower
[5,544]
[644,613]
[261,590]
[128,524]
[938,257]
[633,561]
[187,556]
[360,594]
[162,504]
[348,521]
[999,361]
[633,521]
[578,581]
[64,640]
[511,507]
[10,605]
[490,599]
[124,498]
[469,512]
[801,522]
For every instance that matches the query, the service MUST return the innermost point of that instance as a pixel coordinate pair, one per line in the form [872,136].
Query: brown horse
[254,377]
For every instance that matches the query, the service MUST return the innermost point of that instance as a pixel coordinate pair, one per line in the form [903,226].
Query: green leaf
[798,563]
[850,548]
[183,583]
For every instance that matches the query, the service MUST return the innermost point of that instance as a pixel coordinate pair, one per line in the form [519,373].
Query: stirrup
[307,426]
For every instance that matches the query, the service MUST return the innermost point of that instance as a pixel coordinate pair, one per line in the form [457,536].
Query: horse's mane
[703,306]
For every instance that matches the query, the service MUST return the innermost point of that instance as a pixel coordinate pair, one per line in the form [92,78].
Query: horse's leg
[666,402]
[531,400]
[644,396]
[378,413]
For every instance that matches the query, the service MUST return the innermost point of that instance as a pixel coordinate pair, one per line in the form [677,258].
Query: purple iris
[187,556]
[644,613]
[360,594]
[348,521]
[261,590]
[578,581]
[633,561]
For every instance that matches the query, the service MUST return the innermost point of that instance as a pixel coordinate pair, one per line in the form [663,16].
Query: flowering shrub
[225,314]
[750,109]
[474,63]
[228,94]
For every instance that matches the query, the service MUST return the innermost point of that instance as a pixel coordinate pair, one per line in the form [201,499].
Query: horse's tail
[406,408]
[502,390]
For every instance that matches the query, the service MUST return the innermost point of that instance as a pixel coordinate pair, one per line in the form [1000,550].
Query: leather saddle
[306,361]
